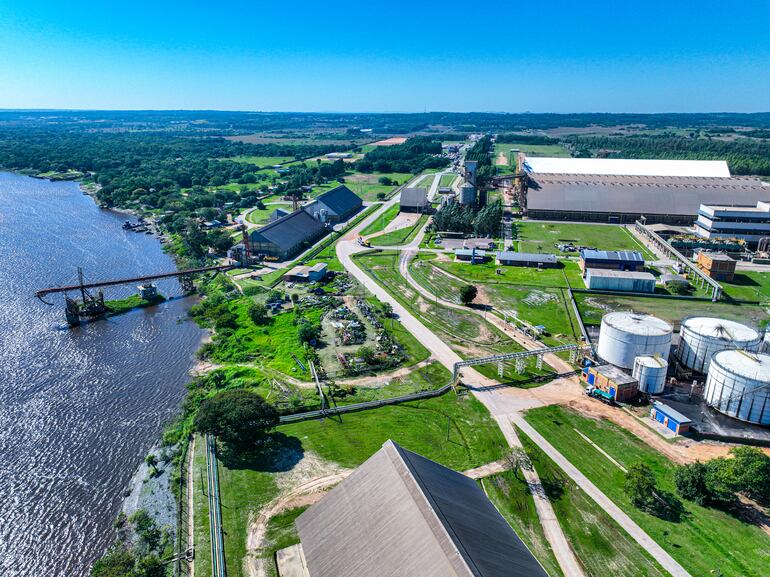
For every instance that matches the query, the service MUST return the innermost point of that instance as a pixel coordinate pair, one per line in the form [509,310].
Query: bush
[308,332]
[258,314]
[468,293]
[641,486]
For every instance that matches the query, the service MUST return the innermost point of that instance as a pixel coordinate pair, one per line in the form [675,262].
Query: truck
[597,393]
[363,242]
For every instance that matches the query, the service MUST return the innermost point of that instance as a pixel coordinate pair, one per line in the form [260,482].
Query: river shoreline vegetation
[185,169]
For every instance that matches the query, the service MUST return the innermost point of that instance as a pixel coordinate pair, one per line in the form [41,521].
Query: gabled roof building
[414,200]
[287,236]
[336,205]
[402,515]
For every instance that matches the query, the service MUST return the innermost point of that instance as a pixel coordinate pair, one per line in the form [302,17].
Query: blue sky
[552,56]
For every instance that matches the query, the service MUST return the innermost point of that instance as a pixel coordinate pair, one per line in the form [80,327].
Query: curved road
[505,406]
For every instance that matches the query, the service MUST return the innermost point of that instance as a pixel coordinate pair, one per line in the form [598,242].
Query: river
[79,408]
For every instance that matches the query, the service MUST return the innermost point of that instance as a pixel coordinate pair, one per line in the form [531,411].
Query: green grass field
[534,236]
[515,275]
[447,180]
[474,438]
[593,307]
[749,285]
[367,186]
[400,236]
[260,216]
[383,220]
[704,541]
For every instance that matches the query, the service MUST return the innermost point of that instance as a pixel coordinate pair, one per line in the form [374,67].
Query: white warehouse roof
[627,167]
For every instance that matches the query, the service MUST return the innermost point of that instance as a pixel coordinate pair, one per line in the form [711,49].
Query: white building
[749,223]
[627,167]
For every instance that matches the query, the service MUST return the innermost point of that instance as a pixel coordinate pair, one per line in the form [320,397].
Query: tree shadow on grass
[669,507]
[279,453]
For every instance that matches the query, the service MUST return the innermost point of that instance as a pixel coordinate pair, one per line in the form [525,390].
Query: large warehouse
[622,191]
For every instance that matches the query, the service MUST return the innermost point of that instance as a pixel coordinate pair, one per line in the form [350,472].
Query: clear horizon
[652,57]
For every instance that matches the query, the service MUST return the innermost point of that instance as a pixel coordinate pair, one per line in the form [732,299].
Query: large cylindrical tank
[702,337]
[624,336]
[738,385]
[467,194]
[650,371]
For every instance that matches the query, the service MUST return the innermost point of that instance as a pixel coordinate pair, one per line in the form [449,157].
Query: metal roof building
[627,167]
[286,236]
[611,259]
[624,199]
[511,258]
[414,200]
[338,204]
[402,515]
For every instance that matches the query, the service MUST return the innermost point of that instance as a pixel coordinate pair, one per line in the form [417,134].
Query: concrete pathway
[630,526]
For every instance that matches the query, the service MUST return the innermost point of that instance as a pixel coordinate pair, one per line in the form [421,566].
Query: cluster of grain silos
[728,352]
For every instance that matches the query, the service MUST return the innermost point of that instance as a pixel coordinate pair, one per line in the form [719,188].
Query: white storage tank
[650,371]
[624,336]
[738,385]
[702,337]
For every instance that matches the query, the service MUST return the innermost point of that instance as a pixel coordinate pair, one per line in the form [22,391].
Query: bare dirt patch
[390,141]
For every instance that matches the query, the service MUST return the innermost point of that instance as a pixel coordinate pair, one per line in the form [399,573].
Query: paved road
[636,532]
[487,393]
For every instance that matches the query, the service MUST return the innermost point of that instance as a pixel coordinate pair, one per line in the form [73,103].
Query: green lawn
[593,307]
[281,533]
[447,180]
[260,216]
[704,541]
[401,236]
[383,220]
[367,186]
[601,546]
[749,285]
[474,438]
[515,275]
[201,535]
[534,236]
[427,181]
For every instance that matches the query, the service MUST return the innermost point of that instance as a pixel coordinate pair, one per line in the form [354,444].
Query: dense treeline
[456,217]
[414,155]
[513,137]
[744,156]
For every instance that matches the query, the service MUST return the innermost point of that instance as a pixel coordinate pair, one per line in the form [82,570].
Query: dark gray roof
[414,197]
[526,256]
[612,255]
[339,200]
[402,514]
[639,194]
[289,230]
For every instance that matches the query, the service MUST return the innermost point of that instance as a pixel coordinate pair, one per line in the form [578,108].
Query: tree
[385,180]
[387,310]
[641,486]
[239,418]
[117,562]
[308,332]
[467,294]
[152,461]
[517,459]
[150,566]
[704,483]
[368,354]
[750,472]
[258,313]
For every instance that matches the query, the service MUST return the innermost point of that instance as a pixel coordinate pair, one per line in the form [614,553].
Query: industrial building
[287,236]
[717,265]
[700,338]
[624,199]
[620,385]
[414,200]
[623,336]
[616,280]
[627,260]
[670,418]
[510,258]
[307,273]
[402,514]
[627,167]
[335,205]
[738,385]
[748,223]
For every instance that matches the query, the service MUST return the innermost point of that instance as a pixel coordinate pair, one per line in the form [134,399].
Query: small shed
[510,258]
[616,280]
[307,273]
[471,255]
[611,379]
[670,418]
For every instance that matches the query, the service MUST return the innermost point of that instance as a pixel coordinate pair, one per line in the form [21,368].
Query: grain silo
[738,385]
[624,336]
[467,194]
[650,371]
[702,337]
